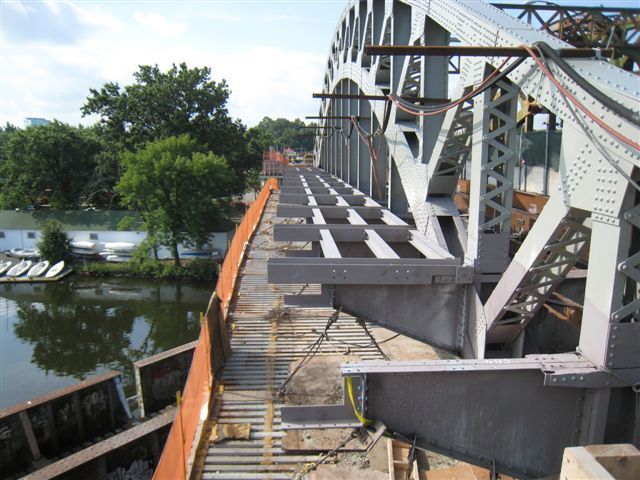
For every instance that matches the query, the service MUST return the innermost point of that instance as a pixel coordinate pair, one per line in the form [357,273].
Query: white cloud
[96,17]
[53,80]
[266,81]
[159,24]
[18,6]
[52,5]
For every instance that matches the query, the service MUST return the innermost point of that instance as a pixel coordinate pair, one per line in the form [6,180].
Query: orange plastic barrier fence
[177,449]
[229,271]
[274,157]
[197,392]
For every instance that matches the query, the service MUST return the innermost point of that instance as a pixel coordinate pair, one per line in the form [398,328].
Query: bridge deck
[266,340]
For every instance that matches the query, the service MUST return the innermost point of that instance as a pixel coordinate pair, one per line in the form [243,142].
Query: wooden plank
[622,461]
[31,438]
[392,471]
[579,464]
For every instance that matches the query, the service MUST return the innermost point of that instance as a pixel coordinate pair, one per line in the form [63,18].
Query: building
[35,122]
[21,229]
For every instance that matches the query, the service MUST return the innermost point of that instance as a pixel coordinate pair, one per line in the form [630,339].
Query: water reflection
[57,334]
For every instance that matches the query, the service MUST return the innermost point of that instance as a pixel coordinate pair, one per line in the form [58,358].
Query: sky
[272,53]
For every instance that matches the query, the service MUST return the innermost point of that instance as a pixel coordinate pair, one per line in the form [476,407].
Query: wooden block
[622,461]
[459,472]
[579,464]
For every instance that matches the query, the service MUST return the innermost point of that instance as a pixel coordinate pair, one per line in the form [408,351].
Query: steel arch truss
[409,166]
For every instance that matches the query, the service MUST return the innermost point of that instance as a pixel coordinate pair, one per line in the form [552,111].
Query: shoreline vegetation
[190,270]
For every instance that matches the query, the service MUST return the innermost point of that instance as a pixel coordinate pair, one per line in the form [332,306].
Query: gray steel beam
[341,233]
[328,245]
[478,410]
[367,271]
[317,190]
[321,199]
[329,211]
[378,246]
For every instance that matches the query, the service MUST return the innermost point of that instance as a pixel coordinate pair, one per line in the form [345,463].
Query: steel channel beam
[321,199]
[319,190]
[366,271]
[329,211]
[478,410]
[341,233]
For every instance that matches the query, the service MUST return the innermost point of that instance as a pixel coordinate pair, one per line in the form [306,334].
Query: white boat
[118,258]
[24,252]
[38,269]
[199,253]
[4,266]
[82,247]
[55,270]
[19,268]
[119,247]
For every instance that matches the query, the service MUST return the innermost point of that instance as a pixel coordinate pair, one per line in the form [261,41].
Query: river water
[54,335]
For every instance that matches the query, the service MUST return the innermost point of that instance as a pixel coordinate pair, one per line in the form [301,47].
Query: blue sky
[272,53]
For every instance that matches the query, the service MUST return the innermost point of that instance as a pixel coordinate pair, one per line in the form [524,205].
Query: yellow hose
[364,421]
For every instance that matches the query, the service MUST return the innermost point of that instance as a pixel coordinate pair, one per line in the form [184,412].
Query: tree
[173,183]
[53,161]
[283,133]
[54,244]
[163,104]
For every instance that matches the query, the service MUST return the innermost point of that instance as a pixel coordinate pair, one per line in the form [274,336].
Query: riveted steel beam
[476,51]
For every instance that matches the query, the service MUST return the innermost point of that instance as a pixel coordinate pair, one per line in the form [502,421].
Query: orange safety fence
[235,253]
[177,449]
[272,156]
[177,452]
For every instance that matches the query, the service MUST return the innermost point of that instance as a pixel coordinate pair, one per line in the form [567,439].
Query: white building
[21,229]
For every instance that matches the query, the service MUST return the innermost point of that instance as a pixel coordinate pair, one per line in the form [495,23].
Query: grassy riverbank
[192,270]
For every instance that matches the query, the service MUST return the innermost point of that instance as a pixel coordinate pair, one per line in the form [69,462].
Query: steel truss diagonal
[548,270]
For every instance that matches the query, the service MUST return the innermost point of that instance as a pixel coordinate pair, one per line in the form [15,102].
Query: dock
[26,279]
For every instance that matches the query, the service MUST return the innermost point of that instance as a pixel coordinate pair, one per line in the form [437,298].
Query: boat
[38,269]
[24,252]
[55,270]
[82,247]
[19,268]
[119,247]
[118,258]
[199,253]
[4,266]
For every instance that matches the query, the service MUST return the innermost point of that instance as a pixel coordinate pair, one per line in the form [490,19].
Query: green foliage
[194,270]
[54,244]
[173,184]
[52,161]
[280,133]
[164,104]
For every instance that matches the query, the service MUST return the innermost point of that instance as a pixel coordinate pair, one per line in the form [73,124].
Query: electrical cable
[599,95]
[593,140]
[495,76]
[575,101]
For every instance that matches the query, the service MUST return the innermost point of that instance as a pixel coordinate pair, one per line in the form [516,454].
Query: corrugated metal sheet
[266,339]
